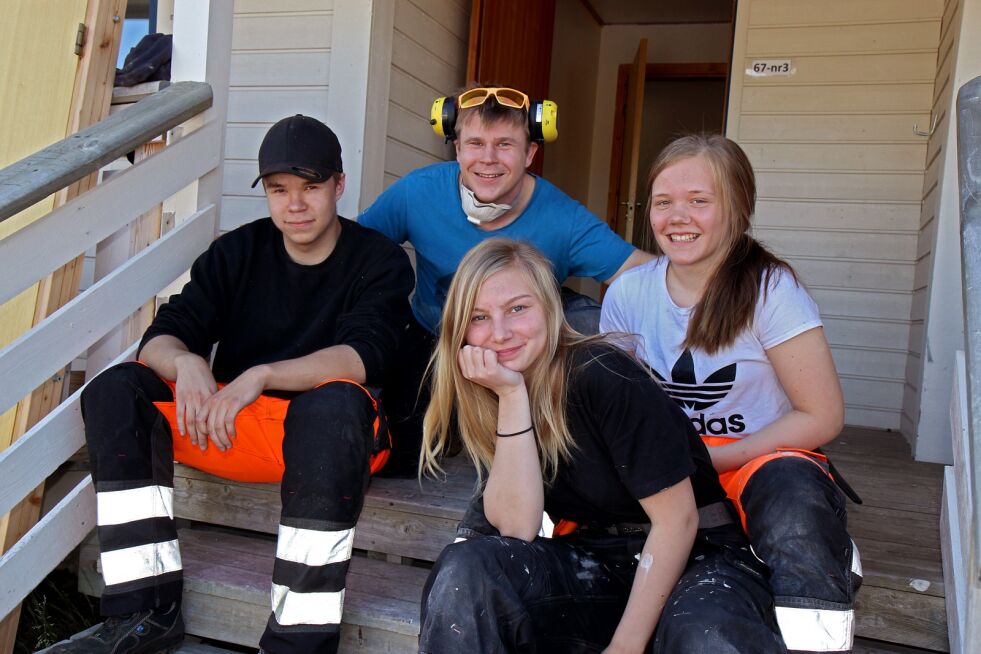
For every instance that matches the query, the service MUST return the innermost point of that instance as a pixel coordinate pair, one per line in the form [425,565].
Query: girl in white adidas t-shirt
[738,343]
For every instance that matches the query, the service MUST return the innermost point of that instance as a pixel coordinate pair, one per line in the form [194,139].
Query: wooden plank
[864,303]
[871,216]
[870,646]
[283,6]
[399,517]
[842,39]
[876,363]
[415,130]
[912,619]
[838,12]
[425,29]
[85,151]
[302,30]
[895,275]
[870,157]
[39,452]
[46,545]
[863,332]
[840,244]
[871,128]
[304,68]
[83,222]
[226,593]
[30,359]
[267,105]
[867,69]
[401,159]
[237,211]
[418,62]
[452,16]
[242,141]
[839,98]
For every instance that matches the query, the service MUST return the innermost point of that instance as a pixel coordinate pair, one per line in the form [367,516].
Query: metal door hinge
[80,39]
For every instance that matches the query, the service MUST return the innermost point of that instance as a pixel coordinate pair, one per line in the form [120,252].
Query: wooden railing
[965,481]
[193,112]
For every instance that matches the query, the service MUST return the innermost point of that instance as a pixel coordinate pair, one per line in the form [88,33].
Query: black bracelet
[517,433]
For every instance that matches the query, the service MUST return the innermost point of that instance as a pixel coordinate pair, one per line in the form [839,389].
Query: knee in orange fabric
[734,481]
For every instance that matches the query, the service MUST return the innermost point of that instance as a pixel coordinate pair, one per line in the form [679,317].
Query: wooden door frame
[681,71]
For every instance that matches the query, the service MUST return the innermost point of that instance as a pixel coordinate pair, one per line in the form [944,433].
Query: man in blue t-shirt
[447,208]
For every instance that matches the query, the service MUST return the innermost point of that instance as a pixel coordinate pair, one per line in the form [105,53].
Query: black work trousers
[329,436]
[497,595]
[796,521]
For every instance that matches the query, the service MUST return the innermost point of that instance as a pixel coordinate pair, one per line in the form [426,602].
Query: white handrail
[31,359]
[39,452]
[91,217]
[46,545]
[190,166]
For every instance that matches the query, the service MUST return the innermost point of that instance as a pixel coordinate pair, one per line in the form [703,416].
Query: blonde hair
[469,409]
[729,302]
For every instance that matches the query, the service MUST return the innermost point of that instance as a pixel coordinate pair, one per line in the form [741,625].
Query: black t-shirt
[631,441]
[260,306]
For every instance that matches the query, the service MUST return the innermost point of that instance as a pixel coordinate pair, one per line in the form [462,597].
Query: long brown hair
[727,306]
[461,405]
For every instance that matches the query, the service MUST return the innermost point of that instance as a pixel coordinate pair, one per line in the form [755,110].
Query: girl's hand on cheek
[480,366]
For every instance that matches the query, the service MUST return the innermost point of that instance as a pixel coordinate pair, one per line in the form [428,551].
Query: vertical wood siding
[841,174]
[429,59]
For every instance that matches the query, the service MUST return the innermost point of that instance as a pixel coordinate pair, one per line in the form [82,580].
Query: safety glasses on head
[504,96]
[543,115]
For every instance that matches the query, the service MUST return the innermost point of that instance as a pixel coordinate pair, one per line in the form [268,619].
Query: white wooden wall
[840,171]
[940,171]
[429,59]
[941,307]
[281,54]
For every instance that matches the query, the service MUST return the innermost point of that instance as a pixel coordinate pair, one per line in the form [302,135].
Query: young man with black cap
[306,309]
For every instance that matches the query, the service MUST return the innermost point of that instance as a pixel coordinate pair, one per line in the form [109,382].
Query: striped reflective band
[292,608]
[118,507]
[856,560]
[816,630]
[132,563]
[312,547]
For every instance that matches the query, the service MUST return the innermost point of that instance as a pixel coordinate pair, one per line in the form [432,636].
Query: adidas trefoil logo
[685,389]
[693,396]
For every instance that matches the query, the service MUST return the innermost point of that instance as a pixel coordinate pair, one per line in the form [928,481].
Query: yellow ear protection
[543,115]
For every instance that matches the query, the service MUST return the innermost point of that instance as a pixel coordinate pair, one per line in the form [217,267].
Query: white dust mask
[480,212]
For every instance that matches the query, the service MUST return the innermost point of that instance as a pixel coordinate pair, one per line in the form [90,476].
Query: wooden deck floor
[897,532]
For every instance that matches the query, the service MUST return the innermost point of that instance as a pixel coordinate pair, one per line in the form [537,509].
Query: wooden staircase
[228,546]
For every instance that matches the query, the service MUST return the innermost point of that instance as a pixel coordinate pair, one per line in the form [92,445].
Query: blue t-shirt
[424,208]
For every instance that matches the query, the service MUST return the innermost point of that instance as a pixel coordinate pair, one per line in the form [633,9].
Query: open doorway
[674,99]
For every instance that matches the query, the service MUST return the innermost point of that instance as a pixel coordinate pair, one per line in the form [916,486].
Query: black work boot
[155,631]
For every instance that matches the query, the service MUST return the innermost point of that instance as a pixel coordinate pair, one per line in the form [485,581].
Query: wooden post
[116,250]
[90,103]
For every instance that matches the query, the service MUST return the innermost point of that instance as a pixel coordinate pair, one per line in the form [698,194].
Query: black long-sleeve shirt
[247,295]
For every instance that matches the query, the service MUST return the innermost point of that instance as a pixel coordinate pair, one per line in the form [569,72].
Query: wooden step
[401,517]
[226,592]
[897,533]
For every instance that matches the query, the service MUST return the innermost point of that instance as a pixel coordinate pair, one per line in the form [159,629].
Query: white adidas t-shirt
[734,392]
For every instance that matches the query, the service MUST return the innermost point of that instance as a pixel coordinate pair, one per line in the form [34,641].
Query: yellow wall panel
[37,66]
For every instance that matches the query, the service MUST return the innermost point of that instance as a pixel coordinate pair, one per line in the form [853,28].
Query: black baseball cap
[302,146]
